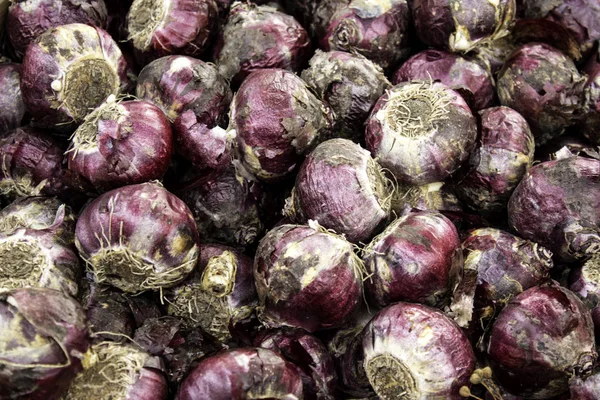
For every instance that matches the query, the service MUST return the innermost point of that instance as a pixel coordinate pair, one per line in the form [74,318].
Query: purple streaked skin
[69,71]
[467,77]
[436,196]
[108,313]
[557,205]
[28,19]
[504,153]
[119,371]
[277,119]
[260,37]
[412,351]
[39,213]
[544,86]
[159,28]
[298,272]
[12,109]
[31,165]
[38,258]
[584,281]
[421,131]
[226,206]
[196,99]
[460,26]
[218,295]
[417,258]
[344,189]
[39,327]
[138,237]
[591,120]
[585,389]
[378,30]
[506,265]
[350,84]
[242,373]
[309,354]
[579,17]
[540,339]
[122,143]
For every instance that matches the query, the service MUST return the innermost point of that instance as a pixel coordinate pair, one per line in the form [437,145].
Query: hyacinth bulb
[138,237]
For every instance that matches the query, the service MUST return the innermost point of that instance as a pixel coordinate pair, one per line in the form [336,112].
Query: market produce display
[299,199]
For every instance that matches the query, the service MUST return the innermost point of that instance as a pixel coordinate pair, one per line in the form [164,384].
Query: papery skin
[506,265]
[504,153]
[463,25]
[12,108]
[591,119]
[28,19]
[51,262]
[39,213]
[310,356]
[214,312]
[343,188]
[417,258]
[467,77]
[132,143]
[196,99]
[52,321]
[436,196]
[350,84]
[585,389]
[226,206]
[173,27]
[378,30]
[544,86]
[31,165]
[146,223]
[276,119]
[436,356]
[431,152]
[299,291]
[556,205]
[584,281]
[242,373]
[51,64]
[579,17]
[259,37]
[542,337]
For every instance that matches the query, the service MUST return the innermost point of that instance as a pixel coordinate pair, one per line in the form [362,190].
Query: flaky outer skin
[225,206]
[585,389]
[50,329]
[310,356]
[49,59]
[505,264]
[147,220]
[350,84]
[28,19]
[276,119]
[544,86]
[459,26]
[503,155]
[417,258]
[557,205]
[186,27]
[430,346]
[132,146]
[591,120]
[340,186]
[542,337]
[432,153]
[243,373]
[195,97]
[580,17]
[12,109]
[259,37]
[379,30]
[298,271]
[467,77]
